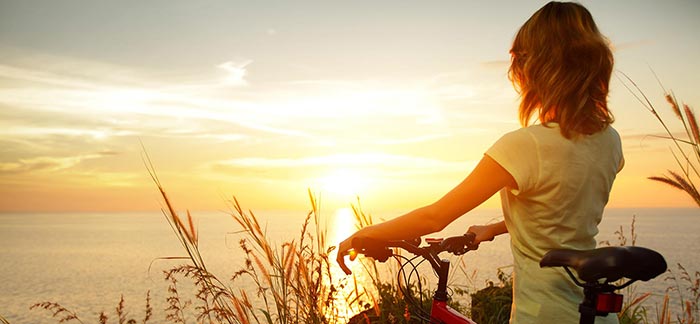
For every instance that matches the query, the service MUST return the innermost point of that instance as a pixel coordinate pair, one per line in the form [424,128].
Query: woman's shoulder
[611,131]
[520,139]
[537,131]
[550,134]
[552,130]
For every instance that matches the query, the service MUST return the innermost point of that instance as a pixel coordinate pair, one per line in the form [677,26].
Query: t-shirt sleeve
[517,153]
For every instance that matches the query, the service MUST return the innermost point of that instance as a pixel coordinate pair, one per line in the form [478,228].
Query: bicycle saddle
[611,263]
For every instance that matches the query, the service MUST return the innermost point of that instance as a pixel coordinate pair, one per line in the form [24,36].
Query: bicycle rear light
[609,303]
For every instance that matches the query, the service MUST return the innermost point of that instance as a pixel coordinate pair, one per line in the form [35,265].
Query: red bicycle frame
[445,314]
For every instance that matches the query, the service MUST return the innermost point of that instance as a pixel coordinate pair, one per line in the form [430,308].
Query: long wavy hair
[561,66]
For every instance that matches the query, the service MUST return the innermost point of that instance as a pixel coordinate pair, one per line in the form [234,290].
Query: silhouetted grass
[293,280]
[685,151]
[684,285]
[293,283]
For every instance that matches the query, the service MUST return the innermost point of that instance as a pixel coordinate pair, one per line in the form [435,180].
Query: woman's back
[563,186]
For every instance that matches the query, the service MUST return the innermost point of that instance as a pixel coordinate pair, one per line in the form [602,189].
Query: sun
[344,183]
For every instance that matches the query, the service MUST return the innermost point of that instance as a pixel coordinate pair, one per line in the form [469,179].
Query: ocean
[87,261]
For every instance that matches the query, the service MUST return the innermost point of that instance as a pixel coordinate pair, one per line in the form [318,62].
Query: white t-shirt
[563,186]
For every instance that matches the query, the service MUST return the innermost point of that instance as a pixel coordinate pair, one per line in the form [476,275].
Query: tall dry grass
[685,287]
[683,291]
[294,282]
[634,309]
[62,314]
[685,149]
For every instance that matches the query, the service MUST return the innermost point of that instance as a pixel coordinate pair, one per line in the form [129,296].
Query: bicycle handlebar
[380,250]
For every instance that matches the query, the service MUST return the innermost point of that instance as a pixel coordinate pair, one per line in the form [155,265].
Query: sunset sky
[393,101]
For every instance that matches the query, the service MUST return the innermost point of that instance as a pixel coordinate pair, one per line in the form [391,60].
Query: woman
[554,177]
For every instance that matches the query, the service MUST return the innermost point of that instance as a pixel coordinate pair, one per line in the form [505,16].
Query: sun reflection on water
[358,286]
[343,225]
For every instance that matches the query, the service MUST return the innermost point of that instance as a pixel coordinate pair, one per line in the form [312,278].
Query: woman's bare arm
[483,182]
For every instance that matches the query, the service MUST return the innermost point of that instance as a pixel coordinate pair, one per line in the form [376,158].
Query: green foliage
[635,313]
[492,304]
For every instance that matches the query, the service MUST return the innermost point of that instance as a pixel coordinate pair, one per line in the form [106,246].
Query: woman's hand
[483,233]
[345,248]
[487,232]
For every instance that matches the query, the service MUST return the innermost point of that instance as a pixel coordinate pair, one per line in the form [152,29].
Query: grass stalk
[687,160]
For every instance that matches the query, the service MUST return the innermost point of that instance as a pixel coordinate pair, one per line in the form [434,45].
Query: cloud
[57,112]
[236,72]
[624,46]
[412,140]
[655,136]
[33,131]
[145,106]
[48,163]
[496,64]
[650,142]
[484,83]
[364,160]
[455,91]
[213,132]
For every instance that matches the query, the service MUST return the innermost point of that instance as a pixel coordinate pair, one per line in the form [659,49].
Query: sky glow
[394,102]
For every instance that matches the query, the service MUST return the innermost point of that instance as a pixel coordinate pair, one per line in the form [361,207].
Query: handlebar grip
[376,249]
[459,245]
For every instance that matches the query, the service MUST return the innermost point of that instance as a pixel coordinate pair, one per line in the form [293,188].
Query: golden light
[343,225]
[360,284]
[344,184]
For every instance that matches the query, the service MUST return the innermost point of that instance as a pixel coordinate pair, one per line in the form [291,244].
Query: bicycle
[597,268]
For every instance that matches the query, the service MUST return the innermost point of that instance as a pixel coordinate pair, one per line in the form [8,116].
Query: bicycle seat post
[599,299]
[587,307]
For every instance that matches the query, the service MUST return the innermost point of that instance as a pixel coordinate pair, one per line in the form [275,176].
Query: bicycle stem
[442,272]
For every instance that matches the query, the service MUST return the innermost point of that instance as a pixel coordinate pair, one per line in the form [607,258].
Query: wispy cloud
[412,140]
[484,83]
[147,104]
[32,131]
[48,163]
[496,64]
[299,109]
[650,142]
[282,131]
[42,77]
[236,72]
[624,46]
[364,160]
[48,103]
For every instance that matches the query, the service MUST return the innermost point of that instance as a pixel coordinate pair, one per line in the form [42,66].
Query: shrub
[491,305]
